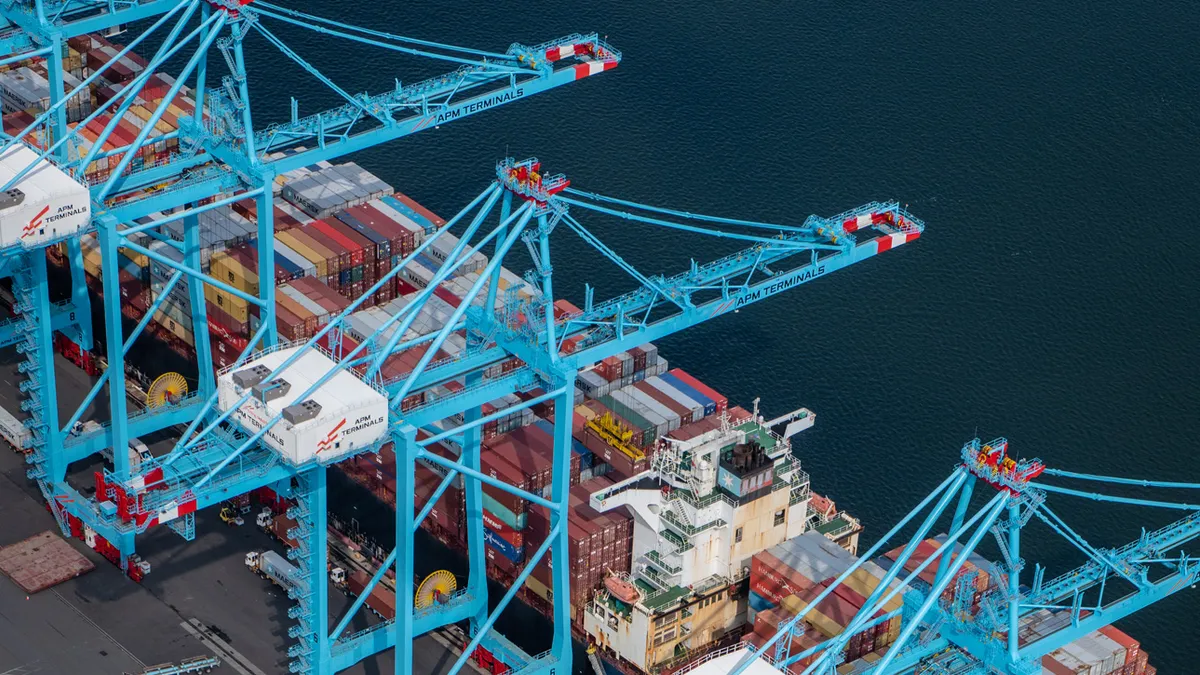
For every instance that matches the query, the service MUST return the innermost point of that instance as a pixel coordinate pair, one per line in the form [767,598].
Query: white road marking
[97,627]
[228,655]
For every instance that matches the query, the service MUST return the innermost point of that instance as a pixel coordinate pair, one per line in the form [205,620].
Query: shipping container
[710,404]
[720,401]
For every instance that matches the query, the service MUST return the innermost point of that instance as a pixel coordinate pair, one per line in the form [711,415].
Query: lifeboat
[621,589]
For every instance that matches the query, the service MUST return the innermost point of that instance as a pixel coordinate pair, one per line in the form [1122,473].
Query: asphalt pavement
[198,599]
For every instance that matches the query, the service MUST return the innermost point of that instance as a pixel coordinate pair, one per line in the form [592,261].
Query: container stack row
[1108,651]
[25,94]
[787,578]
[515,528]
[976,575]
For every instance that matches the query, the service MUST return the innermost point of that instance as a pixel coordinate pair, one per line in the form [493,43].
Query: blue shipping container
[760,604]
[710,406]
[412,215]
[503,547]
[586,458]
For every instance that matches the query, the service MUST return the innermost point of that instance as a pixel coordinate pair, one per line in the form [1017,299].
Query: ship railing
[716,654]
[536,662]
[709,582]
[599,497]
[689,529]
[851,525]
[671,563]
[705,501]
[800,493]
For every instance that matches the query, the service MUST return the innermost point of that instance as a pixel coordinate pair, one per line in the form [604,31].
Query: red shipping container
[341,259]
[368,247]
[337,231]
[415,206]
[247,208]
[498,467]
[1132,647]
[563,307]
[699,386]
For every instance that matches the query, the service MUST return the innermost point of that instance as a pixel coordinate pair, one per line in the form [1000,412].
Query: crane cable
[1122,481]
[1118,500]
[691,215]
[342,30]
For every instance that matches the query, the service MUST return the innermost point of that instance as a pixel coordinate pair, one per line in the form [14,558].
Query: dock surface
[199,598]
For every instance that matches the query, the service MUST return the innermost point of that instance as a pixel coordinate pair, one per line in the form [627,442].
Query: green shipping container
[648,428]
[507,517]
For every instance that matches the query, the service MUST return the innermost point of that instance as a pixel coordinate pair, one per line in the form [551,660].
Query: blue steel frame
[987,640]
[483,81]
[215,460]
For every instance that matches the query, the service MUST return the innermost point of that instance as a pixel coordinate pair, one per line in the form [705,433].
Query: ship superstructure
[711,500]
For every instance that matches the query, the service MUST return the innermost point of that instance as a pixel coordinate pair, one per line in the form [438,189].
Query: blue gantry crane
[222,157]
[950,632]
[229,449]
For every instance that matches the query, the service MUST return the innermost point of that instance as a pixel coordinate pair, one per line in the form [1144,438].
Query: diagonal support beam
[496,483]
[946,490]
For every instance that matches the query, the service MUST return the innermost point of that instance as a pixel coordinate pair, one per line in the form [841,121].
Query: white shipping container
[1111,650]
[683,399]
[351,414]
[46,204]
[13,430]
[672,418]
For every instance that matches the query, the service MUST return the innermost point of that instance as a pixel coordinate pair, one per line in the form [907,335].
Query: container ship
[693,529]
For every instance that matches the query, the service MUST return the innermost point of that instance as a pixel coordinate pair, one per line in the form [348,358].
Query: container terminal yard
[180,424]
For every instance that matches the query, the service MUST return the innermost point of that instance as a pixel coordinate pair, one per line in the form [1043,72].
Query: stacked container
[331,189]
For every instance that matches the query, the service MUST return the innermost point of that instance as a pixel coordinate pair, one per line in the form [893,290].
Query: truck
[13,431]
[138,453]
[270,565]
[381,601]
[81,428]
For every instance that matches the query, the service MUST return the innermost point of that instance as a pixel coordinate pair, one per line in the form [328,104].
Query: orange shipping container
[305,249]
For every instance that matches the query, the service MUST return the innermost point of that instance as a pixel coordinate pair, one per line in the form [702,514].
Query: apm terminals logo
[35,223]
[331,438]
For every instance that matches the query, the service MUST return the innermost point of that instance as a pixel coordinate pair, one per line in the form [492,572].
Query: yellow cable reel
[436,587]
[166,389]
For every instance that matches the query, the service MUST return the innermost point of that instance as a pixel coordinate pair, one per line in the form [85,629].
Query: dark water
[1051,149]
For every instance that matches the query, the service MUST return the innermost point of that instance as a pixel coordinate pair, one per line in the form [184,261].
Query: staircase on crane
[27,298]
